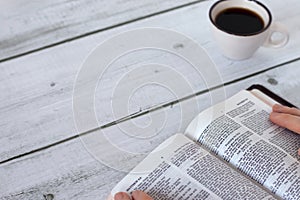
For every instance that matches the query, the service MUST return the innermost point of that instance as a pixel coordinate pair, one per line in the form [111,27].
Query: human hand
[286,117]
[136,195]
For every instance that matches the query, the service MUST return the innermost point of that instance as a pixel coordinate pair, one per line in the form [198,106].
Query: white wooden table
[44,43]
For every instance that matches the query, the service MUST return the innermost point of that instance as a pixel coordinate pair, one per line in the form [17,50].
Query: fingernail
[274,114]
[136,193]
[278,107]
[119,196]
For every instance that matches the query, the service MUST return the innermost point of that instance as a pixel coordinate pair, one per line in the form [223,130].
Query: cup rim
[250,34]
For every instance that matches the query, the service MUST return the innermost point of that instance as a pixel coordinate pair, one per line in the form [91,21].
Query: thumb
[288,121]
[122,196]
[139,195]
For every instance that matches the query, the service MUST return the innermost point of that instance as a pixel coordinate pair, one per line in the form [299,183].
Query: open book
[229,151]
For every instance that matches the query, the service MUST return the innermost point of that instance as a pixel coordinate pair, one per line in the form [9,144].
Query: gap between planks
[100,30]
[69,172]
[140,113]
[64,63]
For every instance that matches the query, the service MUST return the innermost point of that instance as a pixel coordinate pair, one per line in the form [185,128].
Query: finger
[288,121]
[139,195]
[299,152]
[285,109]
[122,196]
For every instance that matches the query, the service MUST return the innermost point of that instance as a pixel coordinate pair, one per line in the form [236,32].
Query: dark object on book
[271,95]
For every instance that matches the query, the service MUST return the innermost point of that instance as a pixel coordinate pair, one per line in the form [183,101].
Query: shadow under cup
[238,44]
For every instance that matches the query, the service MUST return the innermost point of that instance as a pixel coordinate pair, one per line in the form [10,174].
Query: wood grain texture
[68,171]
[36,105]
[30,25]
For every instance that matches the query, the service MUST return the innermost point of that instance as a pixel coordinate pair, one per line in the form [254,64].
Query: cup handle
[281,40]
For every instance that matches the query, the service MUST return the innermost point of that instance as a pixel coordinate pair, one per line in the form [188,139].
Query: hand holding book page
[286,117]
[244,136]
[281,115]
[236,153]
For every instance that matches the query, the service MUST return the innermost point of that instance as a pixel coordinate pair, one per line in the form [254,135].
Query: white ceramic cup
[237,46]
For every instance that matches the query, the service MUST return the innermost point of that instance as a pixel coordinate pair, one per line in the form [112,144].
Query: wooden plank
[68,171]
[30,25]
[36,108]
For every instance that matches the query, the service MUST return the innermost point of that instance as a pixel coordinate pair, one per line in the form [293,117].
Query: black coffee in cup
[240,27]
[239,21]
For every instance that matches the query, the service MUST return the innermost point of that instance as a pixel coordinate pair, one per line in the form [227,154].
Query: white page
[181,169]
[241,134]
